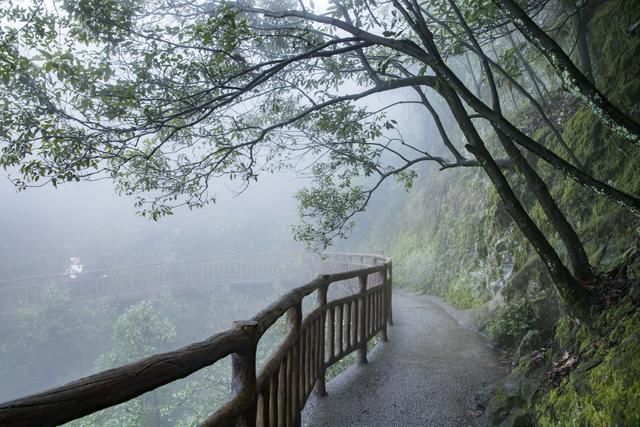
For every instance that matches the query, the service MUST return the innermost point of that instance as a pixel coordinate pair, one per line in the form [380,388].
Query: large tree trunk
[574,297]
[538,187]
[577,255]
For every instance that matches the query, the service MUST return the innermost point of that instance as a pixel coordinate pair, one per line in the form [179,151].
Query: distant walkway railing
[274,396]
[139,281]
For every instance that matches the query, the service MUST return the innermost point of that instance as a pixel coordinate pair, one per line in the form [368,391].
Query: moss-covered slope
[452,238]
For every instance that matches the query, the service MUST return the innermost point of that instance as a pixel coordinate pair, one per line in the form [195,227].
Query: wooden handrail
[275,395]
[114,386]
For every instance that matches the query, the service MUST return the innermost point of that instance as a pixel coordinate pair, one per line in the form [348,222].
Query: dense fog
[65,315]
[65,335]
[44,227]
[59,241]
[182,165]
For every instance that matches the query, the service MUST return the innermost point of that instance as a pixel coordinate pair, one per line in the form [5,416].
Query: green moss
[564,332]
[608,158]
[455,246]
[454,224]
[460,295]
[615,56]
[605,388]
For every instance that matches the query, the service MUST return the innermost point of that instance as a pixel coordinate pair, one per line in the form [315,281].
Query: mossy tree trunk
[574,297]
[575,249]
[579,260]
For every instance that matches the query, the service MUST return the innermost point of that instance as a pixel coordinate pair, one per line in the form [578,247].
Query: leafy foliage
[510,323]
[138,332]
[165,96]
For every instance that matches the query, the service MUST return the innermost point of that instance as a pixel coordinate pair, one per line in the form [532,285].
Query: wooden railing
[274,396]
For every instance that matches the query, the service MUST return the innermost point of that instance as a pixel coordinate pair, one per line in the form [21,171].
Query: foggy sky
[43,227]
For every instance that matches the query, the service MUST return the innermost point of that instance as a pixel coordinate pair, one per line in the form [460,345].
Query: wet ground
[426,375]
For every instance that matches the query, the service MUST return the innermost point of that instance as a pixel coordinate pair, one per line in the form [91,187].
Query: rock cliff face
[452,238]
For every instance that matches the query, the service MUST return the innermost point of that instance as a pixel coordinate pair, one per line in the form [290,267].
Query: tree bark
[577,255]
[583,17]
[574,297]
[538,187]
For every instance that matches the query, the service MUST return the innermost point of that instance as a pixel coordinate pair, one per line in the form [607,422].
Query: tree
[42,339]
[139,332]
[164,96]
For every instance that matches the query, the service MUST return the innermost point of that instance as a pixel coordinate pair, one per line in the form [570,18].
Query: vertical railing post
[321,387]
[389,293]
[243,372]
[362,320]
[294,322]
[385,305]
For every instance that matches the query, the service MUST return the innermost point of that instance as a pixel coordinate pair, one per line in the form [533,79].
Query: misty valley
[74,327]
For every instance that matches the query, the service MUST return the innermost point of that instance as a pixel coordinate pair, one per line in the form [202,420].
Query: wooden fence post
[389,293]
[243,373]
[321,387]
[385,305]
[294,322]
[362,321]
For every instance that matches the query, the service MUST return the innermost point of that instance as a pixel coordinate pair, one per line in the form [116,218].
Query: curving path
[426,376]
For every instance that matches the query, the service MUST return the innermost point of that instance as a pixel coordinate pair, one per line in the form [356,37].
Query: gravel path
[426,375]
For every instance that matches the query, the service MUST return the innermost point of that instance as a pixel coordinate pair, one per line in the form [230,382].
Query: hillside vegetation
[451,237]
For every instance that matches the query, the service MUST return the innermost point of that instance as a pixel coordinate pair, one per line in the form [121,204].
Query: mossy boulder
[532,341]
[511,397]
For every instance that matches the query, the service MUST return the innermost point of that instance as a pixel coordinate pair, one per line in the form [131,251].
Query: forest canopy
[165,96]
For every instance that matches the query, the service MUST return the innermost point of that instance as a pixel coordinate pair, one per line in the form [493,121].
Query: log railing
[274,396]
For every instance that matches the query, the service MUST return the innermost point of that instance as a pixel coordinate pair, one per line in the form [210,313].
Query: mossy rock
[532,341]
[566,330]
[519,282]
[511,400]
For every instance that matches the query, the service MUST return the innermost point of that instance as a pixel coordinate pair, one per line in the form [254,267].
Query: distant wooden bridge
[142,281]
[352,305]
